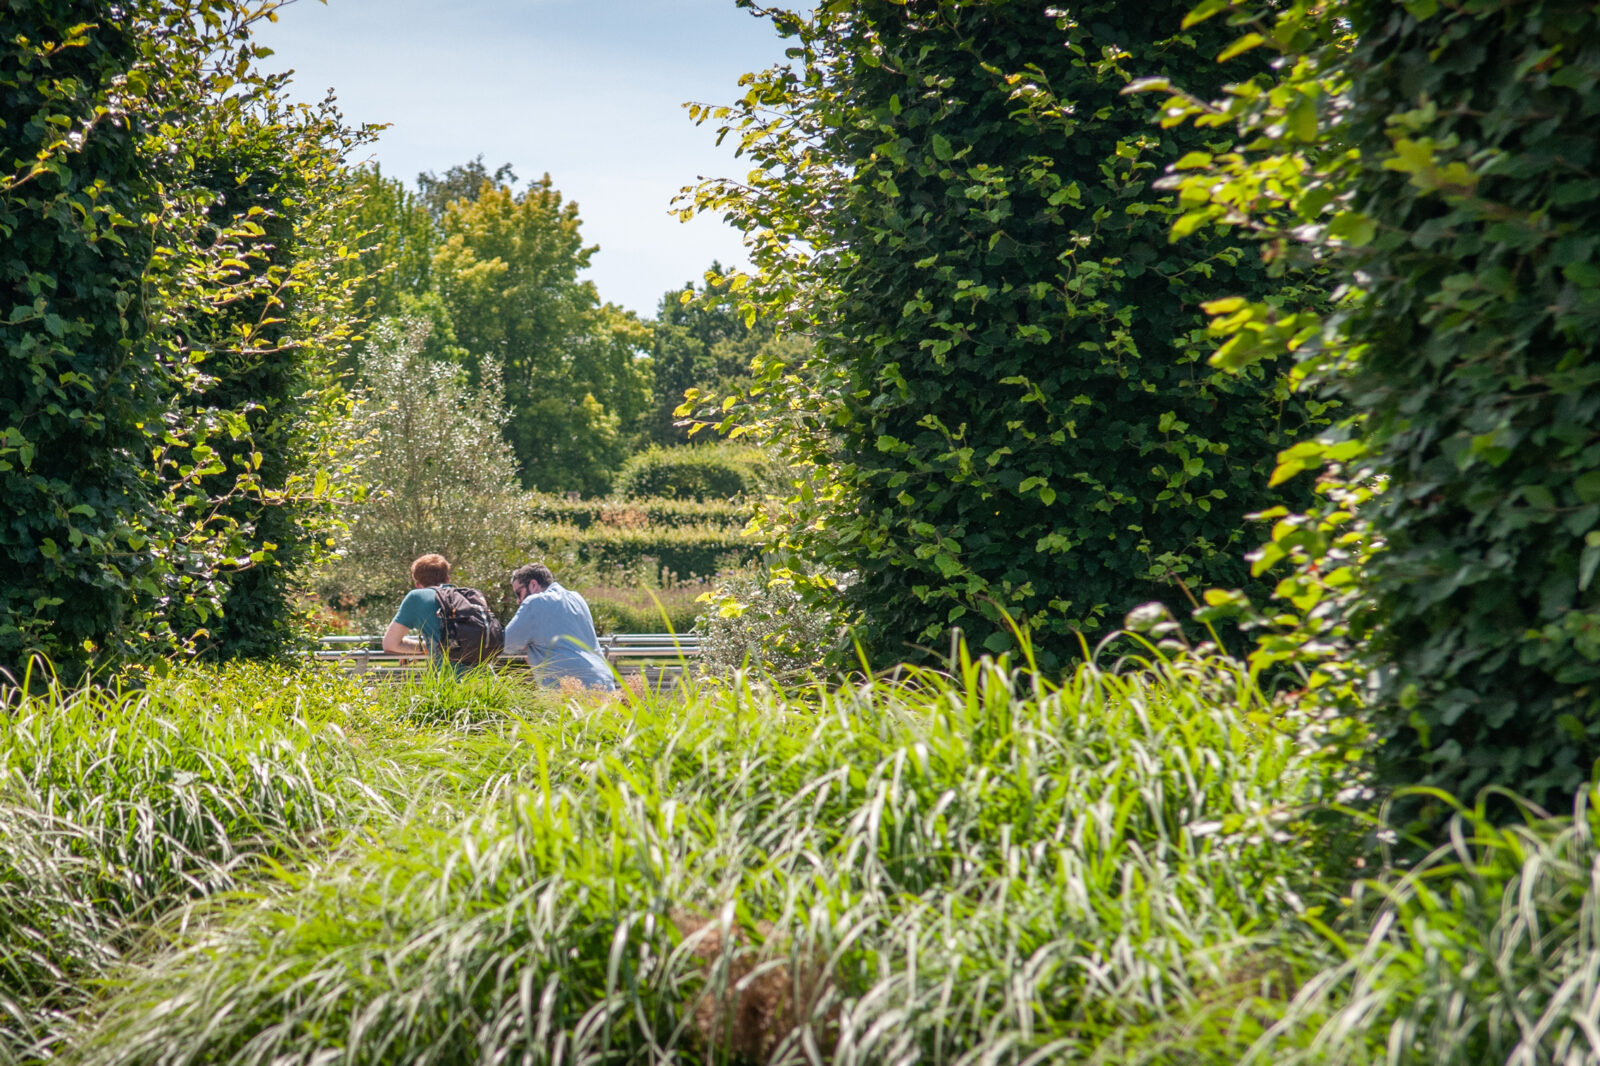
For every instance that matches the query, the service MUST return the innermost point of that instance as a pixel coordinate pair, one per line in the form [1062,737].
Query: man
[415,630]
[554,627]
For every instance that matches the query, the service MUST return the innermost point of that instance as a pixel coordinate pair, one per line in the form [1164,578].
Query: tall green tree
[702,340]
[1009,412]
[464,181]
[574,370]
[396,234]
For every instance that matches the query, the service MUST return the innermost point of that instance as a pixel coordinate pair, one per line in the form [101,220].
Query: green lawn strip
[970,865]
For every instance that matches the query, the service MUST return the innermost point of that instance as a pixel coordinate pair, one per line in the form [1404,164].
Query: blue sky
[589,90]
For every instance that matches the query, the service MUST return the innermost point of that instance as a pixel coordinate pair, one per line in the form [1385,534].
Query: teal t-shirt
[419,612]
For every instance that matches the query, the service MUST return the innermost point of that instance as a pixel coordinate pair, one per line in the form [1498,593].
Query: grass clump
[117,805]
[932,867]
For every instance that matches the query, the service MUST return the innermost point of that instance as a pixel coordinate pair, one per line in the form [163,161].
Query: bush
[638,513]
[756,623]
[443,480]
[165,325]
[1009,412]
[1423,156]
[607,552]
[693,472]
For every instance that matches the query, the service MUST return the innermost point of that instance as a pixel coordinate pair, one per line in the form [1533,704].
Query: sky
[590,91]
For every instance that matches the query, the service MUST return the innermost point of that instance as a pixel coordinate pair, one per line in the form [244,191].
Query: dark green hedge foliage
[162,431]
[1478,125]
[692,472]
[1014,411]
[640,513]
[73,405]
[686,551]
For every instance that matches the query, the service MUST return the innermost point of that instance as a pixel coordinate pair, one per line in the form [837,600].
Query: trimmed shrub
[690,551]
[1480,335]
[639,513]
[693,472]
[1009,414]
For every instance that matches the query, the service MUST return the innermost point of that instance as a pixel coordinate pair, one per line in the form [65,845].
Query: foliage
[117,805]
[1485,952]
[702,474]
[753,622]
[1435,159]
[463,182]
[1008,414]
[395,235]
[701,341]
[443,479]
[965,865]
[638,513]
[147,271]
[612,551]
[507,270]
[673,607]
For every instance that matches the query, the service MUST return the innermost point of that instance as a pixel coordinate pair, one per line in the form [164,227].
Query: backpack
[469,632]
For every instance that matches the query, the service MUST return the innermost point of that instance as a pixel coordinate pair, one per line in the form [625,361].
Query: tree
[701,340]
[396,234]
[573,372]
[1008,412]
[441,474]
[462,182]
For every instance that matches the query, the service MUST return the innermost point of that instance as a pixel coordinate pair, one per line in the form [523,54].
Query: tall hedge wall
[1479,369]
[1010,408]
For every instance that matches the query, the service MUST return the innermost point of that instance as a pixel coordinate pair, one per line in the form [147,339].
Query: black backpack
[469,632]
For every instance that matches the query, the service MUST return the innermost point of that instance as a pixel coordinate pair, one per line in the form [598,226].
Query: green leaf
[1243,44]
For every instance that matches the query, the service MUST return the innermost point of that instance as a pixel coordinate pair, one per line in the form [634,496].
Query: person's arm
[522,633]
[397,640]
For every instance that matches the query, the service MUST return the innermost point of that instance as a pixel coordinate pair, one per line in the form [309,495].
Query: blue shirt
[419,611]
[556,631]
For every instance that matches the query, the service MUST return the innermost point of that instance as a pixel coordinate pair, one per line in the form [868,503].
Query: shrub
[638,513]
[443,479]
[1008,412]
[607,552]
[693,472]
[1427,156]
[165,218]
[755,622]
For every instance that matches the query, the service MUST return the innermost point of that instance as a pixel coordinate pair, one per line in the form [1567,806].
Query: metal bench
[658,654]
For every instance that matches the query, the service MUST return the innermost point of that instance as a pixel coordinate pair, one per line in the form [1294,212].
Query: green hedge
[694,551]
[640,513]
[693,472]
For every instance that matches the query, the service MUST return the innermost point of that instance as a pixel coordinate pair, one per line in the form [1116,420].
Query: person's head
[429,570]
[530,578]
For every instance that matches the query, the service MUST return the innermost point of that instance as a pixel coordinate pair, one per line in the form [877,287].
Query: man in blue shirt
[415,630]
[554,627]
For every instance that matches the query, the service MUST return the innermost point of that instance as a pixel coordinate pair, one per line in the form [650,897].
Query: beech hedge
[1008,410]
